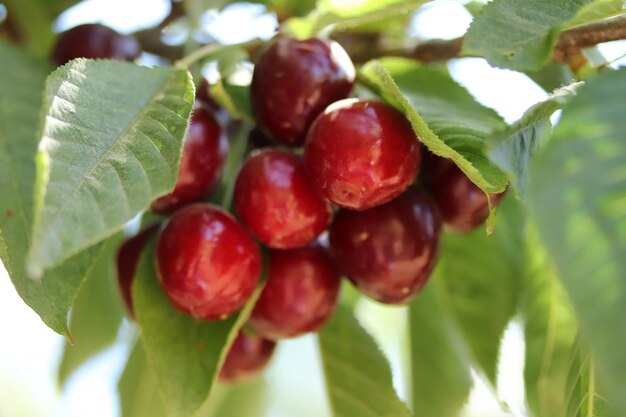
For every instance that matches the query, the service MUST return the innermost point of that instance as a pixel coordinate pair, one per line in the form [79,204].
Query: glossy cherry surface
[299,296]
[275,201]
[463,205]
[361,153]
[201,163]
[127,259]
[207,264]
[248,355]
[94,41]
[294,80]
[389,251]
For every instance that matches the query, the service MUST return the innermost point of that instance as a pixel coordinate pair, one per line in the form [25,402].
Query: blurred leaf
[139,394]
[578,194]
[481,276]
[242,399]
[234,98]
[552,76]
[514,147]
[559,379]
[347,14]
[34,23]
[111,143]
[358,377]
[440,366]
[185,354]
[22,80]
[522,34]
[447,119]
[97,312]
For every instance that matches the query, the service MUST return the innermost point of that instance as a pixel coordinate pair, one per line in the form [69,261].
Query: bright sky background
[29,351]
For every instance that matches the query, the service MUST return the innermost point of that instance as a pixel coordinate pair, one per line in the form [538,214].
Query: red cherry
[361,153]
[201,163]
[207,264]
[127,259]
[389,251]
[248,355]
[94,41]
[299,296]
[294,80]
[276,202]
[463,205]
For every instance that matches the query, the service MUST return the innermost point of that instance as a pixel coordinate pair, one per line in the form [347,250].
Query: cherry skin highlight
[299,296]
[94,41]
[294,80]
[207,264]
[389,251]
[275,201]
[361,153]
[201,163]
[247,357]
[463,205]
[126,261]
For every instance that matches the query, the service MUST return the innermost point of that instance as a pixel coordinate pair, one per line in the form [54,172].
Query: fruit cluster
[355,178]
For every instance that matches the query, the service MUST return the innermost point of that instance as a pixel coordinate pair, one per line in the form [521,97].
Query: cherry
[127,259]
[463,205]
[247,356]
[389,251]
[94,41]
[207,264]
[294,80]
[203,95]
[204,152]
[276,202]
[299,296]
[361,153]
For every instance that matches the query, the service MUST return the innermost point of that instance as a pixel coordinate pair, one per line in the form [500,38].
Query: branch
[569,44]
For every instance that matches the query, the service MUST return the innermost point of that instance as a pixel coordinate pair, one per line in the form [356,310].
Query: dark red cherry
[294,80]
[257,139]
[274,199]
[299,296]
[201,163]
[94,41]
[248,356]
[361,153]
[127,259]
[389,251]
[463,205]
[207,264]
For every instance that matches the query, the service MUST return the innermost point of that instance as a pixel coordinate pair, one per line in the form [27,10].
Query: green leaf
[185,354]
[440,365]
[514,147]
[552,76]
[34,24]
[246,398]
[481,276]
[139,395]
[111,142]
[597,10]
[558,375]
[522,34]
[342,15]
[447,119]
[577,193]
[97,312]
[22,80]
[358,376]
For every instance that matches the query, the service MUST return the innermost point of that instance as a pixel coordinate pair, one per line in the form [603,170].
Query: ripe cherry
[127,259]
[463,205]
[207,264]
[204,151]
[389,251]
[361,153]
[94,41]
[276,202]
[299,296]
[247,356]
[294,80]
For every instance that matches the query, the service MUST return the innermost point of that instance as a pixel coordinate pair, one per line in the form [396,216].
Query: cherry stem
[213,48]
[238,147]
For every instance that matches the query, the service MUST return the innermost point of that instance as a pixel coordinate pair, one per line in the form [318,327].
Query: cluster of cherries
[360,156]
